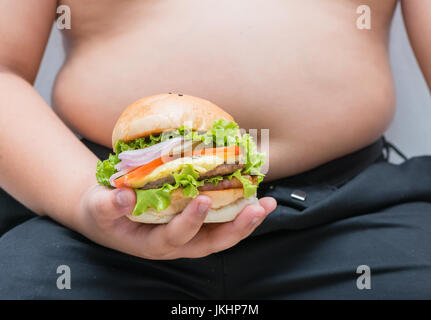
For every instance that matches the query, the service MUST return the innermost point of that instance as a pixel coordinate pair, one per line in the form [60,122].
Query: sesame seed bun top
[165,112]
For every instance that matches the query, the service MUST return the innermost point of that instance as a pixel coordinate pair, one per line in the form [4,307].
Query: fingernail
[202,208]
[122,199]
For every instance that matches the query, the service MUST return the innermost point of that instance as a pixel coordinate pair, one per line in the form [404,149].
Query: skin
[300,68]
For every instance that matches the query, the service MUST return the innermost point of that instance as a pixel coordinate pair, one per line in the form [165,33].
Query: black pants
[359,210]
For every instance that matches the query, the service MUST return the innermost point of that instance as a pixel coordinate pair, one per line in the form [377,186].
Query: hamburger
[172,147]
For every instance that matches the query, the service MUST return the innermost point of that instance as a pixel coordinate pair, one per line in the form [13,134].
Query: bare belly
[302,70]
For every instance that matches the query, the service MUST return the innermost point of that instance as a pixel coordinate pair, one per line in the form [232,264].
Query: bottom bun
[221,214]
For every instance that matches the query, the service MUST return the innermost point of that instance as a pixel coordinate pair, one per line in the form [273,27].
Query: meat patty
[233,183]
[221,170]
[158,183]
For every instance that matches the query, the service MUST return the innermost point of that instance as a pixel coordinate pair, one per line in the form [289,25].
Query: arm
[417,15]
[38,153]
[45,167]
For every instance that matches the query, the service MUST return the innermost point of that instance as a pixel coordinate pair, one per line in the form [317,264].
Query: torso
[300,68]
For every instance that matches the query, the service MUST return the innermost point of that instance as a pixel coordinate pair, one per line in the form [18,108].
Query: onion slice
[117,175]
[140,157]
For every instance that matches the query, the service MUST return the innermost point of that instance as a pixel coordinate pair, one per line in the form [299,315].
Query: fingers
[183,236]
[183,227]
[112,204]
[268,203]
[223,236]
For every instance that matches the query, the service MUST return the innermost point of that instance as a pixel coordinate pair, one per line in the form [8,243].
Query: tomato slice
[226,151]
[139,172]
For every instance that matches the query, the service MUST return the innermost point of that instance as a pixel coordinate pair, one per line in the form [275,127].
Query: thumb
[124,198]
[115,203]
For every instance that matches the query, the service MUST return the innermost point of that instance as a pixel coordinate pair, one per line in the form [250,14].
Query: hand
[102,218]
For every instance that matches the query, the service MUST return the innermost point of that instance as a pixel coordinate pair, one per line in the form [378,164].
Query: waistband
[334,173]
[338,171]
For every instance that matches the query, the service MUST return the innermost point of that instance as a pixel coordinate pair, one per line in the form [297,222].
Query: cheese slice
[201,164]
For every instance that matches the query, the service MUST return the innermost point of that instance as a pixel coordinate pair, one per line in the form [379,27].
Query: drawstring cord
[387,146]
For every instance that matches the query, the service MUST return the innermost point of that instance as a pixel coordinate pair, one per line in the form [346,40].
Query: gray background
[410,130]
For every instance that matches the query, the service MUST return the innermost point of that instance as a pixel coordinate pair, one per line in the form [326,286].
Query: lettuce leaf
[214,180]
[187,179]
[254,159]
[160,198]
[139,143]
[223,133]
[249,188]
[105,169]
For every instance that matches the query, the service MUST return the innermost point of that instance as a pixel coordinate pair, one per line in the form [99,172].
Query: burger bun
[225,206]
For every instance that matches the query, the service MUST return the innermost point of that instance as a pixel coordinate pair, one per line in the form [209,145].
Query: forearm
[417,19]
[42,163]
